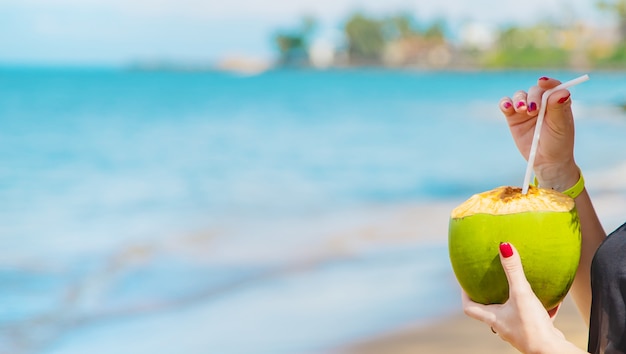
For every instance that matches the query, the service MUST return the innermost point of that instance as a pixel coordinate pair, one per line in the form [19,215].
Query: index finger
[483,313]
[514,270]
[547,83]
[534,93]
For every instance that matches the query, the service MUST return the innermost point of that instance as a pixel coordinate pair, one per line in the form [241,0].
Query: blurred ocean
[288,212]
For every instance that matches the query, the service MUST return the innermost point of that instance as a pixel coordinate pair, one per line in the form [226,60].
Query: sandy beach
[461,334]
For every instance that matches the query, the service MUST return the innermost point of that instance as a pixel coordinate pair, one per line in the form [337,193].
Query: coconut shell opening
[510,200]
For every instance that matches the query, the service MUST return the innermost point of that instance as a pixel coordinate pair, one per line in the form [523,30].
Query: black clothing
[607,324]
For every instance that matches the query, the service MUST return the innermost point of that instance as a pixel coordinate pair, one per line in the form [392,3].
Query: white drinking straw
[542,112]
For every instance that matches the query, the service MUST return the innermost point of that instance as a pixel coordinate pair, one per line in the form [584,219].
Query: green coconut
[544,227]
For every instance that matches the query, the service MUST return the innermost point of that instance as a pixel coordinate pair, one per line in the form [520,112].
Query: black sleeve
[607,324]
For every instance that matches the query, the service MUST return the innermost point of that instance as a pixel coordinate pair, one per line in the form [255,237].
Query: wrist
[555,343]
[557,177]
[561,346]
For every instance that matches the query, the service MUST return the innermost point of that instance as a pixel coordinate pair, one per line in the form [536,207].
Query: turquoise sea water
[160,212]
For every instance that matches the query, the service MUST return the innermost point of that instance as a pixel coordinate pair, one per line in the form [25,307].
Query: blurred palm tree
[293,45]
[365,39]
[371,40]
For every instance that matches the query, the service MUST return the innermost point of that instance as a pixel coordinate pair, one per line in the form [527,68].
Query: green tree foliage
[616,60]
[532,47]
[365,37]
[399,39]
[293,45]
[368,37]
[436,31]
[402,25]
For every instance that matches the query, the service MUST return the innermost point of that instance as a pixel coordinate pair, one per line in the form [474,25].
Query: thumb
[512,265]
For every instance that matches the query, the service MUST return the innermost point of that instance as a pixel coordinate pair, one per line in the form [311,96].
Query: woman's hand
[522,320]
[554,163]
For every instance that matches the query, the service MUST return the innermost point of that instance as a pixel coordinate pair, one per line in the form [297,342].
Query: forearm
[546,340]
[550,342]
[561,347]
[560,178]
[592,236]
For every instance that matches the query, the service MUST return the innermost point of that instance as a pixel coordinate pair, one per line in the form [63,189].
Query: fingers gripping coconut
[522,316]
[542,223]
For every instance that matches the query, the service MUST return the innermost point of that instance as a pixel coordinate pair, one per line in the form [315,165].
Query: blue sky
[116,32]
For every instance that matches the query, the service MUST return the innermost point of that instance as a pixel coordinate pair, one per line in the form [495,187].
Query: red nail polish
[532,106]
[505,249]
[520,104]
[507,105]
[543,78]
[564,99]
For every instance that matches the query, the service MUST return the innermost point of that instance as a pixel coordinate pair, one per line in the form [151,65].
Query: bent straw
[542,112]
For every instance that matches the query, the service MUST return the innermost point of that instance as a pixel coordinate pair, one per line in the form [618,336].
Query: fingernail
[505,249]
[564,99]
[543,78]
[520,104]
[532,106]
[507,105]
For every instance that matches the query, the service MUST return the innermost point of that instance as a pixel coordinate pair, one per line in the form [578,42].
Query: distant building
[243,65]
[322,53]
[478,35]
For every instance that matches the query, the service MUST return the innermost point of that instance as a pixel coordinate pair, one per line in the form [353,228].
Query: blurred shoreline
[459,334]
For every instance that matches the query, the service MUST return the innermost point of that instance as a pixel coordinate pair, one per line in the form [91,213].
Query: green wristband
[575,190]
